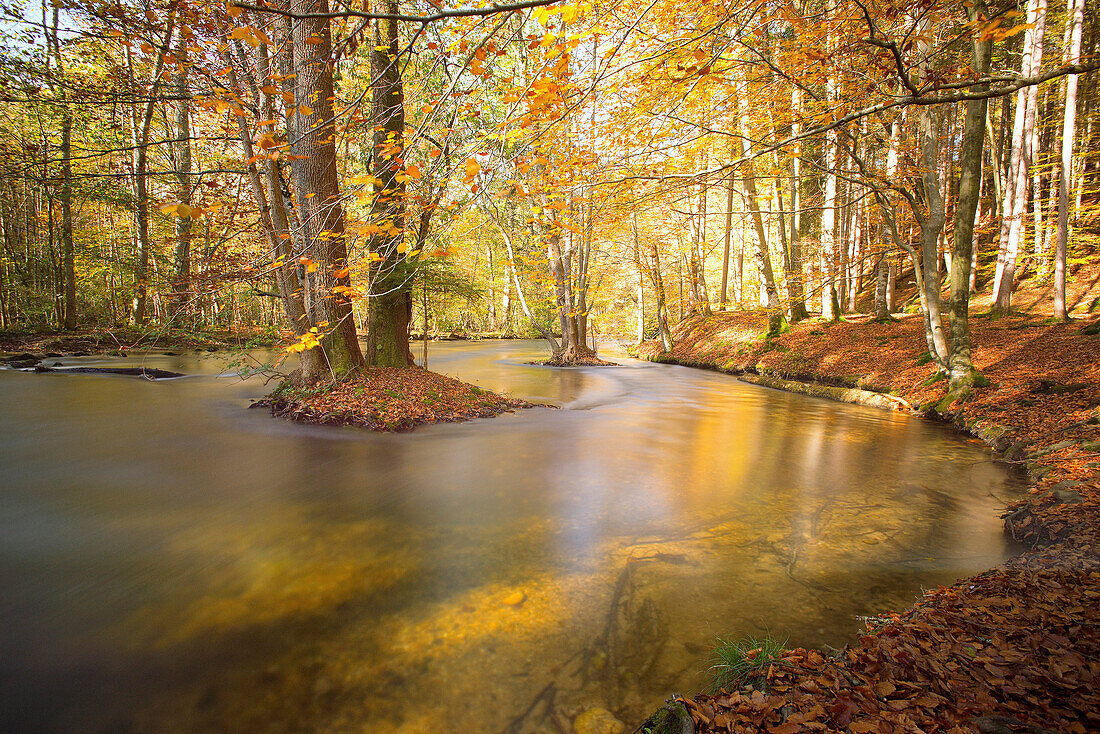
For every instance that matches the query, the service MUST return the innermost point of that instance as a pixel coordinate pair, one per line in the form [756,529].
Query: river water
[172,562]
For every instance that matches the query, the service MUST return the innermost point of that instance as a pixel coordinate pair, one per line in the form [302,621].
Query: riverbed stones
[597,721]
[515,599]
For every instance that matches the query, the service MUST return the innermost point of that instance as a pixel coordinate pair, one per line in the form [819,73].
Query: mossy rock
[672,718]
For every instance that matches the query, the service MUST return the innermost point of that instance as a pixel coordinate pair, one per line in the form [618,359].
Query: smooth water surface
[172,562]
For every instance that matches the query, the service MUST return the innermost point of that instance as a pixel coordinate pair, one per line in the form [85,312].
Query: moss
[672,718]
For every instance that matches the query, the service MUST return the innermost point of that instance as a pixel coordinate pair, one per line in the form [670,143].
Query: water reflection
[172,562]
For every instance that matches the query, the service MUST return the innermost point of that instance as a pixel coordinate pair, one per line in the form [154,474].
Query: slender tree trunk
[970,188]
[763,256]
[543,330]
[141,125]
[1069,134]
[830,308]
[723,302]
[1015,202]
[882,268]
[182,289]
[663,331]
[796,282]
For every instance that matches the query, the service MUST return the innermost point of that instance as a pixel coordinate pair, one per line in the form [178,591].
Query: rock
[20,357]
[148,373]
[1066,484]
[20,364]
[1053,447]
[1091,446]
[597,721]
[672,718]
[515,599]
[1067,497]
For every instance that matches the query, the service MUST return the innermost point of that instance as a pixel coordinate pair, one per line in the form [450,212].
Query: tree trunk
[321,214]
[68,262]
[182,288]
[763,256]
[882,268]
[1015,200]
[390,305]
[658,282]
[830,308]
[1065,172]
[796,282]
[723,302]
[140,126]
[970,188]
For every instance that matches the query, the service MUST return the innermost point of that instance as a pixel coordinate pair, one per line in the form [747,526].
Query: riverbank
[89,341]
[1012,649]
[386,399]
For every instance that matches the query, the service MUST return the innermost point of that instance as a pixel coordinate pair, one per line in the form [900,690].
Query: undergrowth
[745,661]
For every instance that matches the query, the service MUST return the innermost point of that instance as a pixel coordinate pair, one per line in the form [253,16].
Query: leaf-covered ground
[124,340]
[387,399]
[1015,649]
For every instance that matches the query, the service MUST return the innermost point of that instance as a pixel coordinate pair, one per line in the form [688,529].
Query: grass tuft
[743,662]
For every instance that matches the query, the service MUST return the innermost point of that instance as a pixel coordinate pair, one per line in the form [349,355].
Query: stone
[1054,447]
[1067,497]
[515,599]
[597,721]
[672,718]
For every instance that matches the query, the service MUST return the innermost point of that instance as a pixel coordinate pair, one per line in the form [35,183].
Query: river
[173,562]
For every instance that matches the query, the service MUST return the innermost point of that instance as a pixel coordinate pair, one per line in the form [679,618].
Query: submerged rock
[515,599]
[148,373]
[597,721]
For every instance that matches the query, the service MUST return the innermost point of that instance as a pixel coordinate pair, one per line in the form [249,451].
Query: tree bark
[140,126]
[970,187]
[68,256]
[182,288]
[390,305]
[1065,172]
[723,302]
[321,214]
[1015,200]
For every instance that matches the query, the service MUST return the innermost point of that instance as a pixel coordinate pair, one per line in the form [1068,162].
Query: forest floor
[386,399]
[101,340]
[1014,649]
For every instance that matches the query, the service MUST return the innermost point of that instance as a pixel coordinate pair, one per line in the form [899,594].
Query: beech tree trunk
[723,302]
[182,287]
[1065,172]
[763,256]
[140,125]
[796,283]
[68,256]
[1015,199]
[658,282]
[970,188]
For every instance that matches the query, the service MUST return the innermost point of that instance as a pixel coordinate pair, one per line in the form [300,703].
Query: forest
[887,204]
[546,169]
